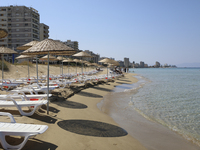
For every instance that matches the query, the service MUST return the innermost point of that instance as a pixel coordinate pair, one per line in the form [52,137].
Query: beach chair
[9,101]
[18,129]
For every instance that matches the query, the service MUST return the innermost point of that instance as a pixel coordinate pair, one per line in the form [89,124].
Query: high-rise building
[141,64]
[44,31]
[22,24]
[126,62]
[72,44]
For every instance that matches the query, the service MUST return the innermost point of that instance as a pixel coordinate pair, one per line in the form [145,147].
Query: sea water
[169,96]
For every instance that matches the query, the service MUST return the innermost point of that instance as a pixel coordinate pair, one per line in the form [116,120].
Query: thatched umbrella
[76,60]
[51,58]
[68,60]
[106,61]
[5,50]
[81,55]
[51,47]
[27,46]
[25,57]
[3,33]
[61,58]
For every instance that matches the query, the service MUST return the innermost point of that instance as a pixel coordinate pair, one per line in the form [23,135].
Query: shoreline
[152,135]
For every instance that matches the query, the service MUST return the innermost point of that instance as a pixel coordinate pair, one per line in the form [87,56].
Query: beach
[99,130]
[75,121]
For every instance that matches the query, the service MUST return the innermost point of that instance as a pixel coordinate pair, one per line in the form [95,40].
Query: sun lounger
[18,129]
[9,101]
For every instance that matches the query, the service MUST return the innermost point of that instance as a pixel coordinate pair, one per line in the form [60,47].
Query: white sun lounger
[11,102]
[18,129]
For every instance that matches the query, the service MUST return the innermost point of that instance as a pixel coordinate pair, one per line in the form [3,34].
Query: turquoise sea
[170,97]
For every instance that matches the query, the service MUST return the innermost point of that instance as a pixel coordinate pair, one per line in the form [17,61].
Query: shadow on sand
[92,128]
[87,94]
[70,104]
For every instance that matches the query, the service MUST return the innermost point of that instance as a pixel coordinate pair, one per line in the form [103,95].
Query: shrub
[5,65]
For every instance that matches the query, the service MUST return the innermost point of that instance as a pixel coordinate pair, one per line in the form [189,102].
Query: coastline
[152,135]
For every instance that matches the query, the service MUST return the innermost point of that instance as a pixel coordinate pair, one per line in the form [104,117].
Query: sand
[75,123]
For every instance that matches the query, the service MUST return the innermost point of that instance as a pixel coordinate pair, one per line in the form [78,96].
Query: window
[26,14]
[17,29]
[1,14]
[17,19]
[17,24]
[17,35]
[26,34]
[26,24]
[17,14]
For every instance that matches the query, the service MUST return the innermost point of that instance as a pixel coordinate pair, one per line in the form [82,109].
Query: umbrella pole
[82,68]
[48,86]
[68,67]
[62,68]
[76,68]
[107,74]
[28,70]
[2,57]
[37,68]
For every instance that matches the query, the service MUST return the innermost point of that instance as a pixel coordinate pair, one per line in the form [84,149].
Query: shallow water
[169,97]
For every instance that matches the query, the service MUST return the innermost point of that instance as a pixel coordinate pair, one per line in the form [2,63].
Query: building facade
[95,57]
[126,62]
[44,31]
[72,44]
[22,24]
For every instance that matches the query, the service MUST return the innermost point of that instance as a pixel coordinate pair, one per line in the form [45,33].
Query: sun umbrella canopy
[76,60]
[51,58]
[27,45]
[61,58]
[51,46]
[106,60]
[68,60]
[24,56]
[3,33]
[82,54]
[5,50]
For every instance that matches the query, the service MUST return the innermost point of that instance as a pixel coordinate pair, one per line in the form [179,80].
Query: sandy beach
[76,123]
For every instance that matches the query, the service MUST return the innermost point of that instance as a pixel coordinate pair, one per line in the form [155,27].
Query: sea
[167,96]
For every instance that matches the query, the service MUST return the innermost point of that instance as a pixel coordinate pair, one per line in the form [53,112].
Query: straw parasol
[68,60]
[51,58]
[61,58]
[25,57]
[27,45]
[49,46]
[3,33]
[81,55]
[5,50]
[76,60]
[107,61]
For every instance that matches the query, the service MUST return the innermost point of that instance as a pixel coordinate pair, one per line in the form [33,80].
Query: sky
[167,31]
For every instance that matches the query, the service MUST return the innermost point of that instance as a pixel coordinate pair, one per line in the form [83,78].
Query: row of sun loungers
[17,98]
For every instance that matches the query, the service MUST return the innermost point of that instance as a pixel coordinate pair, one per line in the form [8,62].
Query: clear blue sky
[167,31]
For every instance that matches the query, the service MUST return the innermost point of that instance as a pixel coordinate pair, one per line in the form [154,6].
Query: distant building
[121,63]
[44,31]
[141,64]
[95,58]
[22,24]
[72,44]
[126,62]
[157,64]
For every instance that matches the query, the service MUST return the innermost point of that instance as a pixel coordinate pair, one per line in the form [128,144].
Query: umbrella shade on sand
[5,50]
[3,33]
[26,57]
[81,55]
[68,61]
[49,46]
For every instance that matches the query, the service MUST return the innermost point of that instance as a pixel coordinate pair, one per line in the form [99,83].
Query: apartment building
[95,57]
[126,62]
[44,31]
[72,44]
[22,24]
